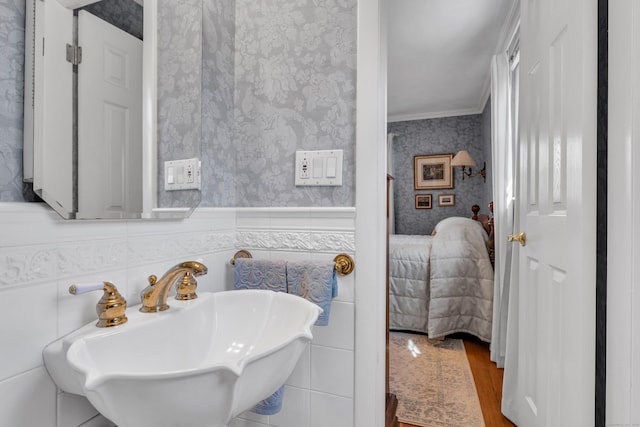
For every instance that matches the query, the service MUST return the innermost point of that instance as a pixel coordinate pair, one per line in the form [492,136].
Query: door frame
[369,346]
[601,215]
[623,205]
[370,271]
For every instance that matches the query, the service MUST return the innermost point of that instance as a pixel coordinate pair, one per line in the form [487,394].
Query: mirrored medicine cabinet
[103,136]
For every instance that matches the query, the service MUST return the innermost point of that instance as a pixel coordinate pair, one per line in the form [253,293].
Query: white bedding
[443,284]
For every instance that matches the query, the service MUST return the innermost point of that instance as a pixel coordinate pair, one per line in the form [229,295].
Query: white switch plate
[319,168]
[182,174]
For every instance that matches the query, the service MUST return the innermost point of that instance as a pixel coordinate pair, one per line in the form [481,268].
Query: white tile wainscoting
[41,255]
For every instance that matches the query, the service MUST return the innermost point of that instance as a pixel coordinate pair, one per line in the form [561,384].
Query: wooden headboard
[487,223]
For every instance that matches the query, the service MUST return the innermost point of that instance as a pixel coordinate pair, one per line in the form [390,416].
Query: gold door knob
[520,237]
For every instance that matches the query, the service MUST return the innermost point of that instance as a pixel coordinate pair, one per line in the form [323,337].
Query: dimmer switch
[331,167]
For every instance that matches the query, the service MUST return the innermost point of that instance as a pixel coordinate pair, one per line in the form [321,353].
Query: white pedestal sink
[198,364]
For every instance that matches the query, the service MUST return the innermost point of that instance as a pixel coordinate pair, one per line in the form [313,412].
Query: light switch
[331,167]
[170,175]
[318,167]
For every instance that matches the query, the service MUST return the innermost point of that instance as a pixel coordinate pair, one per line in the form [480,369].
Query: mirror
[114,123]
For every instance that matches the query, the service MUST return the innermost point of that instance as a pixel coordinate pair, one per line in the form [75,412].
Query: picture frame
[433,171]
[423,201]
[446,199]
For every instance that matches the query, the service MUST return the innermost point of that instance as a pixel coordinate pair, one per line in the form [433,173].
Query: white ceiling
[439,54]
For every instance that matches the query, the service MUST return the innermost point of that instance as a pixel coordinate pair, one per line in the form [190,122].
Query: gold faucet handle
[186,289]
[111,307]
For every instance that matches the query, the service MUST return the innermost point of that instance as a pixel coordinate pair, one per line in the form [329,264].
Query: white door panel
[109,120]
[52,103]
[557,212]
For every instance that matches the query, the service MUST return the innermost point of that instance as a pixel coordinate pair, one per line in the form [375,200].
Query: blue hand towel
[271,405]
[260,274]
[252,273]
[314,281]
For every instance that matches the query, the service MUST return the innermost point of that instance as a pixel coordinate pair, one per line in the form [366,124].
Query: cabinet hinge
[74,54]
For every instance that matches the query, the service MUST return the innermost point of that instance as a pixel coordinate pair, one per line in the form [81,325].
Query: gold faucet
[154,296]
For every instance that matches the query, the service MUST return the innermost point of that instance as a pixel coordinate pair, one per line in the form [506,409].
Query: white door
[109,120]
[48,94]
[556,373]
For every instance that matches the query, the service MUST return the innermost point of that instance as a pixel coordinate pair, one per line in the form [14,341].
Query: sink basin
[198,364]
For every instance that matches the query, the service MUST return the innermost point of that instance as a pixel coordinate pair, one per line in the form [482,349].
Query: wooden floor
[488,380]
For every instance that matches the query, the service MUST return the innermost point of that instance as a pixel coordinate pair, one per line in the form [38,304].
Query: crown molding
[435,114]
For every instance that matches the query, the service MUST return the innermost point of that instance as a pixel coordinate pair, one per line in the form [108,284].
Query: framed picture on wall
[446,200]
[432,172]
[423,201]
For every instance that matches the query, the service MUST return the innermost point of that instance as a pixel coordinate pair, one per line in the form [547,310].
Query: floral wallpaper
[436,136]
[179,91]
[12,15]
[218,149]
[295,89]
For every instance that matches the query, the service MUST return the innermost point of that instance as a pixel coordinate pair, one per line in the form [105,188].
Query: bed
[443,283]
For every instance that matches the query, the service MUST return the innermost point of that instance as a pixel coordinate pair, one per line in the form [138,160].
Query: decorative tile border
[306,241]
[29,264]
[25,264]
[58,250]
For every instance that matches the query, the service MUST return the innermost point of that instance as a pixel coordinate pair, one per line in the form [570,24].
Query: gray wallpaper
[11,93]
[436,136]
[279,77]
[218,152]
[295,89]
[179,91]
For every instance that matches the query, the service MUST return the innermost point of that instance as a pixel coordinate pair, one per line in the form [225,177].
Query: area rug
[433,382]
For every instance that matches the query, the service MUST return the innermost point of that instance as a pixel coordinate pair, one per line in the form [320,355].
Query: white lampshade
[462,159]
